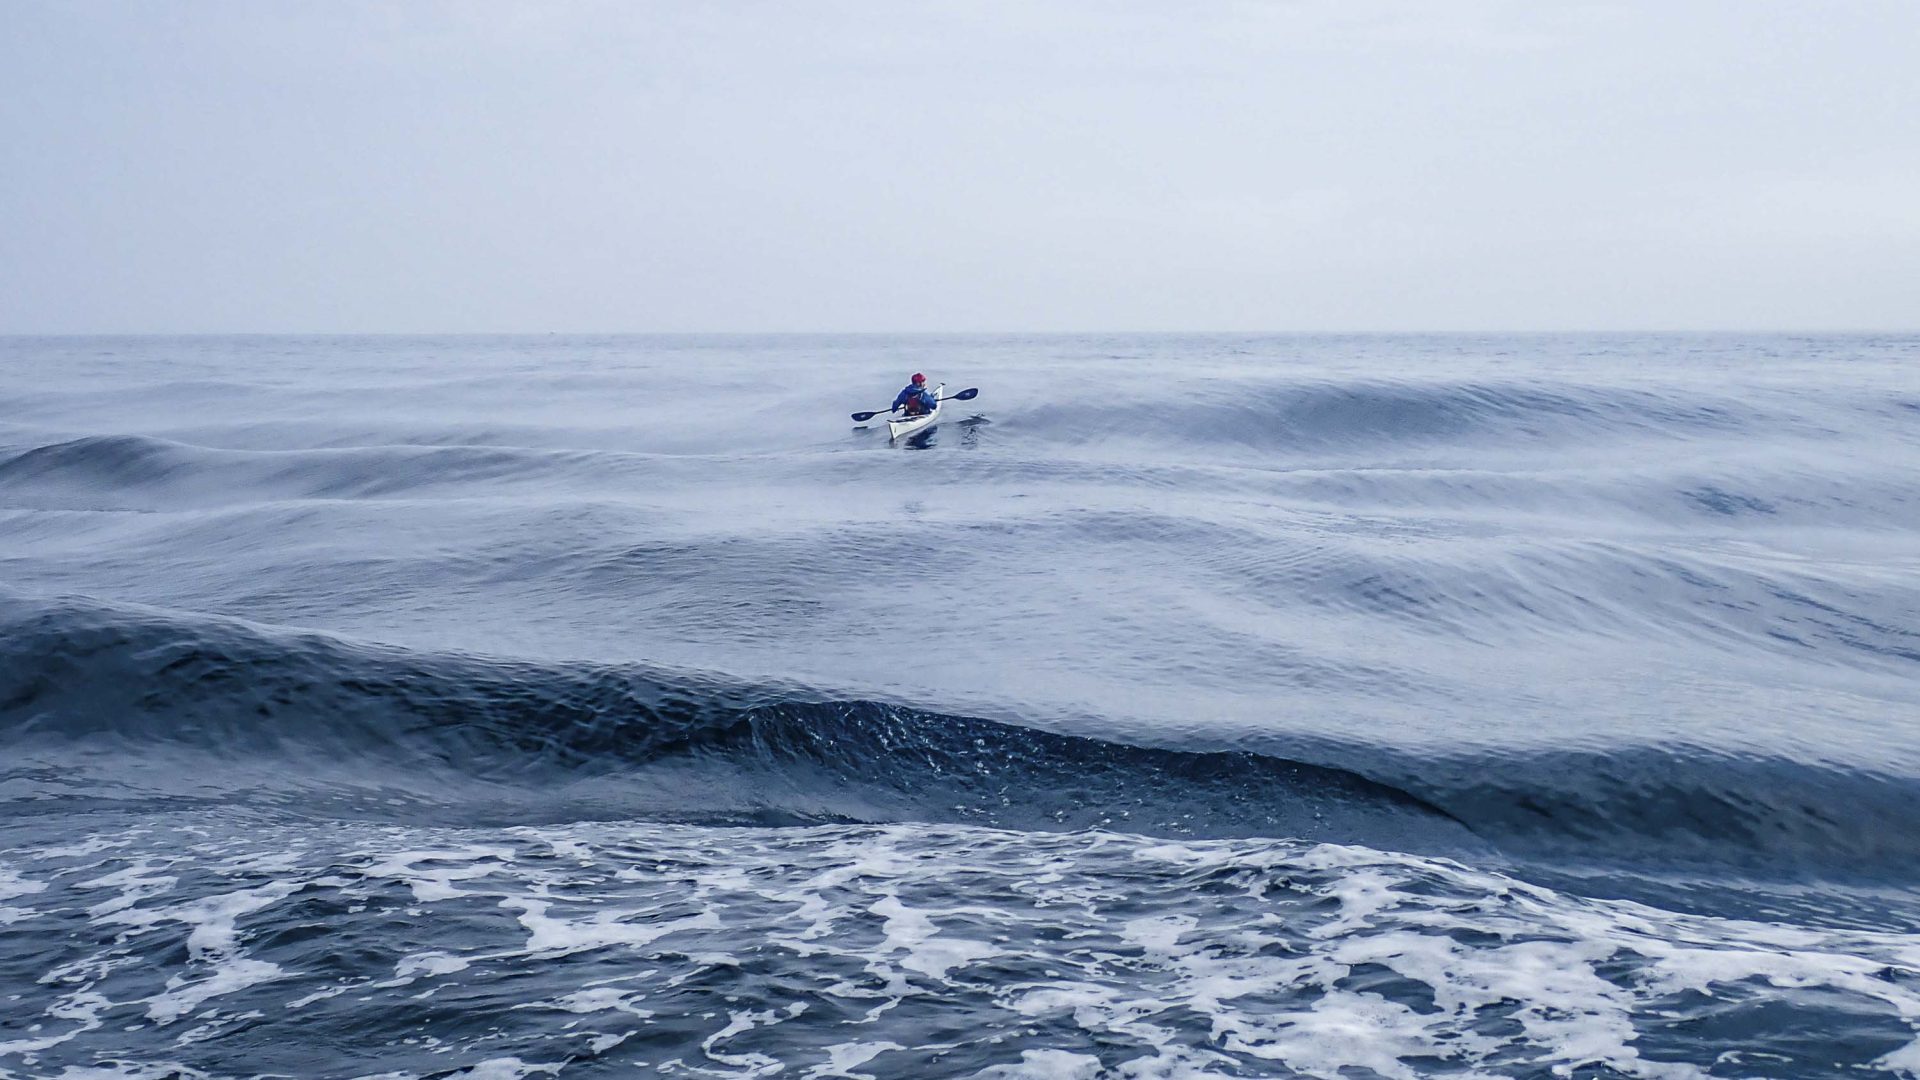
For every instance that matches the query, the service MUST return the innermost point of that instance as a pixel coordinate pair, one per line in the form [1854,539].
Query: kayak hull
[900,429]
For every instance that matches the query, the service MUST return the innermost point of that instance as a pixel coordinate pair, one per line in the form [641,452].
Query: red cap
[917,377]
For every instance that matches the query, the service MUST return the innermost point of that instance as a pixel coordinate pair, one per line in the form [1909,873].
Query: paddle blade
[863,417]
[965,395]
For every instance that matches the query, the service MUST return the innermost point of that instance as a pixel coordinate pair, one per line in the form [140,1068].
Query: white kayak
[897,429]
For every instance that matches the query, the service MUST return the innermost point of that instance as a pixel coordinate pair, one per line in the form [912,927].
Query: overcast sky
[1025,165]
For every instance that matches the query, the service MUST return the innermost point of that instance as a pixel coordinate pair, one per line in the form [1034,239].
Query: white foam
[1042,1000]
[429,963]
[1341,1030]
[506,1068]
[1157,934]
[1904,1060]
[165,1070]
[90,846]
[604,999]
[843,1058]
[228,976]
[1045,1065]
[13,885]
[430,884]
[1363,894]
[211,917]
[1316,960]
[83,1007]
[600,1044]
[755,1063]
[211,941]
[329,992]
[135,881]
[927,950]
[549,937]
[1567,1010]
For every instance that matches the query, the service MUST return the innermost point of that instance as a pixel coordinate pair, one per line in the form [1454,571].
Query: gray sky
[1022,165]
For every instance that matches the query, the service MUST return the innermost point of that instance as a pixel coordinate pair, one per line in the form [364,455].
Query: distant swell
[1386,413]
[139,472]
[221,711]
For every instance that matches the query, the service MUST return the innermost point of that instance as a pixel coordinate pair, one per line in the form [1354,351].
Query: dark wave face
[246,718]
[298,721]
[1179,707]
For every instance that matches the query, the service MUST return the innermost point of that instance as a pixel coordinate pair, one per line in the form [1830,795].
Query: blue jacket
[925,394]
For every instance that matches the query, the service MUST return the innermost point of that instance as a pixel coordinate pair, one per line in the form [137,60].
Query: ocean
[1183,706]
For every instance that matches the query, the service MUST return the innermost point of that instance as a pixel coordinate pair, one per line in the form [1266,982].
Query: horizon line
[1519,332]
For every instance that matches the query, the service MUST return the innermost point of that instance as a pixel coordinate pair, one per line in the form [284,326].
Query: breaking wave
[223,711]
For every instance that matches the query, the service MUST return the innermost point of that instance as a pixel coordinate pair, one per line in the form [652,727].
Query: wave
[110,704]
[1726,484]
[622,740]
[144,473]
[1382,413]
[1457,585]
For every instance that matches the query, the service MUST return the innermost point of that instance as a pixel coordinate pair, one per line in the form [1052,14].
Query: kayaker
[916,398]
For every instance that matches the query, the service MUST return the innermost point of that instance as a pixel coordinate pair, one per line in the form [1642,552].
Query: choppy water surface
[1182,707]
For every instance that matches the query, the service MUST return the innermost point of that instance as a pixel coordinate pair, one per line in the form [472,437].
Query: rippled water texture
[1181,707]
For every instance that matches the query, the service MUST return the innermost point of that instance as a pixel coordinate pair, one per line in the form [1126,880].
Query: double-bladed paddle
[965,395]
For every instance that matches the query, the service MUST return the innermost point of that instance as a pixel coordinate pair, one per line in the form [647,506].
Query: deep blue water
[1213,706]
